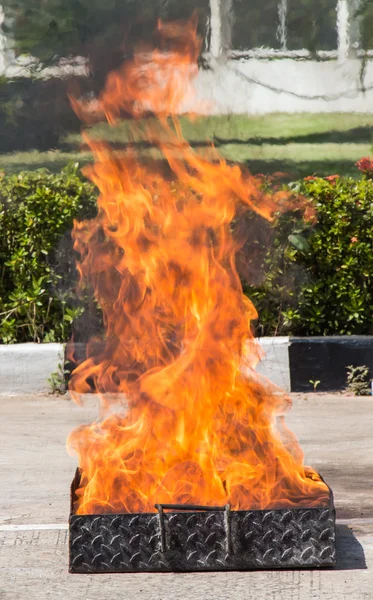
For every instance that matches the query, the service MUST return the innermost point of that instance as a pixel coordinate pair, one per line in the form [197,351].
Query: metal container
[199,538]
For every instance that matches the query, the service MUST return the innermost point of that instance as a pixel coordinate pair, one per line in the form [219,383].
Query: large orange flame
[193,421]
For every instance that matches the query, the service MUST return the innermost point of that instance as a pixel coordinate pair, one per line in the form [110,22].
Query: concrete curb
[26,368]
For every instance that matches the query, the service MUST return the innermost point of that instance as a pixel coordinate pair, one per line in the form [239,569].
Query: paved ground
[335,432]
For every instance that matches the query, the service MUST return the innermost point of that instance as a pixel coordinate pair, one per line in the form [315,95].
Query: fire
[185,418]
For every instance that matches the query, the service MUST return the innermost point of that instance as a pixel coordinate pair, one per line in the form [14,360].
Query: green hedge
[37,209]
[317,278]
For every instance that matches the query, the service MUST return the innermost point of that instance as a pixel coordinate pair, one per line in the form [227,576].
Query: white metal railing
[282,29]
[3,46]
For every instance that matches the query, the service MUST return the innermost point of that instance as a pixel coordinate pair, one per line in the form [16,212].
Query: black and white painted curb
[299,364]
[293,364]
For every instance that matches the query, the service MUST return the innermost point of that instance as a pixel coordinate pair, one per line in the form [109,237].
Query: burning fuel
[197,425]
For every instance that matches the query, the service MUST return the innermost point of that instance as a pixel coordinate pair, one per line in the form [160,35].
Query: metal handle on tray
[194,507]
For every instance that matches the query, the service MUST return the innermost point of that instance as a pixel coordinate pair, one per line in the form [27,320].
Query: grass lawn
[299,144]
[274,128]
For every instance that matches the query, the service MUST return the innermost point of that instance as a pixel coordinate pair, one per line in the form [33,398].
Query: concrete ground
[335,432]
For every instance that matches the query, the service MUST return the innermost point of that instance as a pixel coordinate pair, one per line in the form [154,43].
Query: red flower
[365,165]
[310,178]
[353,240]
[331,178]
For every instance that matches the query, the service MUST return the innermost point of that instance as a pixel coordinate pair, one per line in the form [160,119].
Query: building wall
[260,86]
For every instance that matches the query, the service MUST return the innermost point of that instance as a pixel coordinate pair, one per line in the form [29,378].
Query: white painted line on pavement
[36,527]
[65,526]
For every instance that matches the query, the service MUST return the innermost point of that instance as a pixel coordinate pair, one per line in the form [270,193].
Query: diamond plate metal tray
[198,538]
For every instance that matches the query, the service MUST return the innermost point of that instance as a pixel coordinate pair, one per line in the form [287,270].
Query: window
[312,24]
[255,24]
[286,24]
